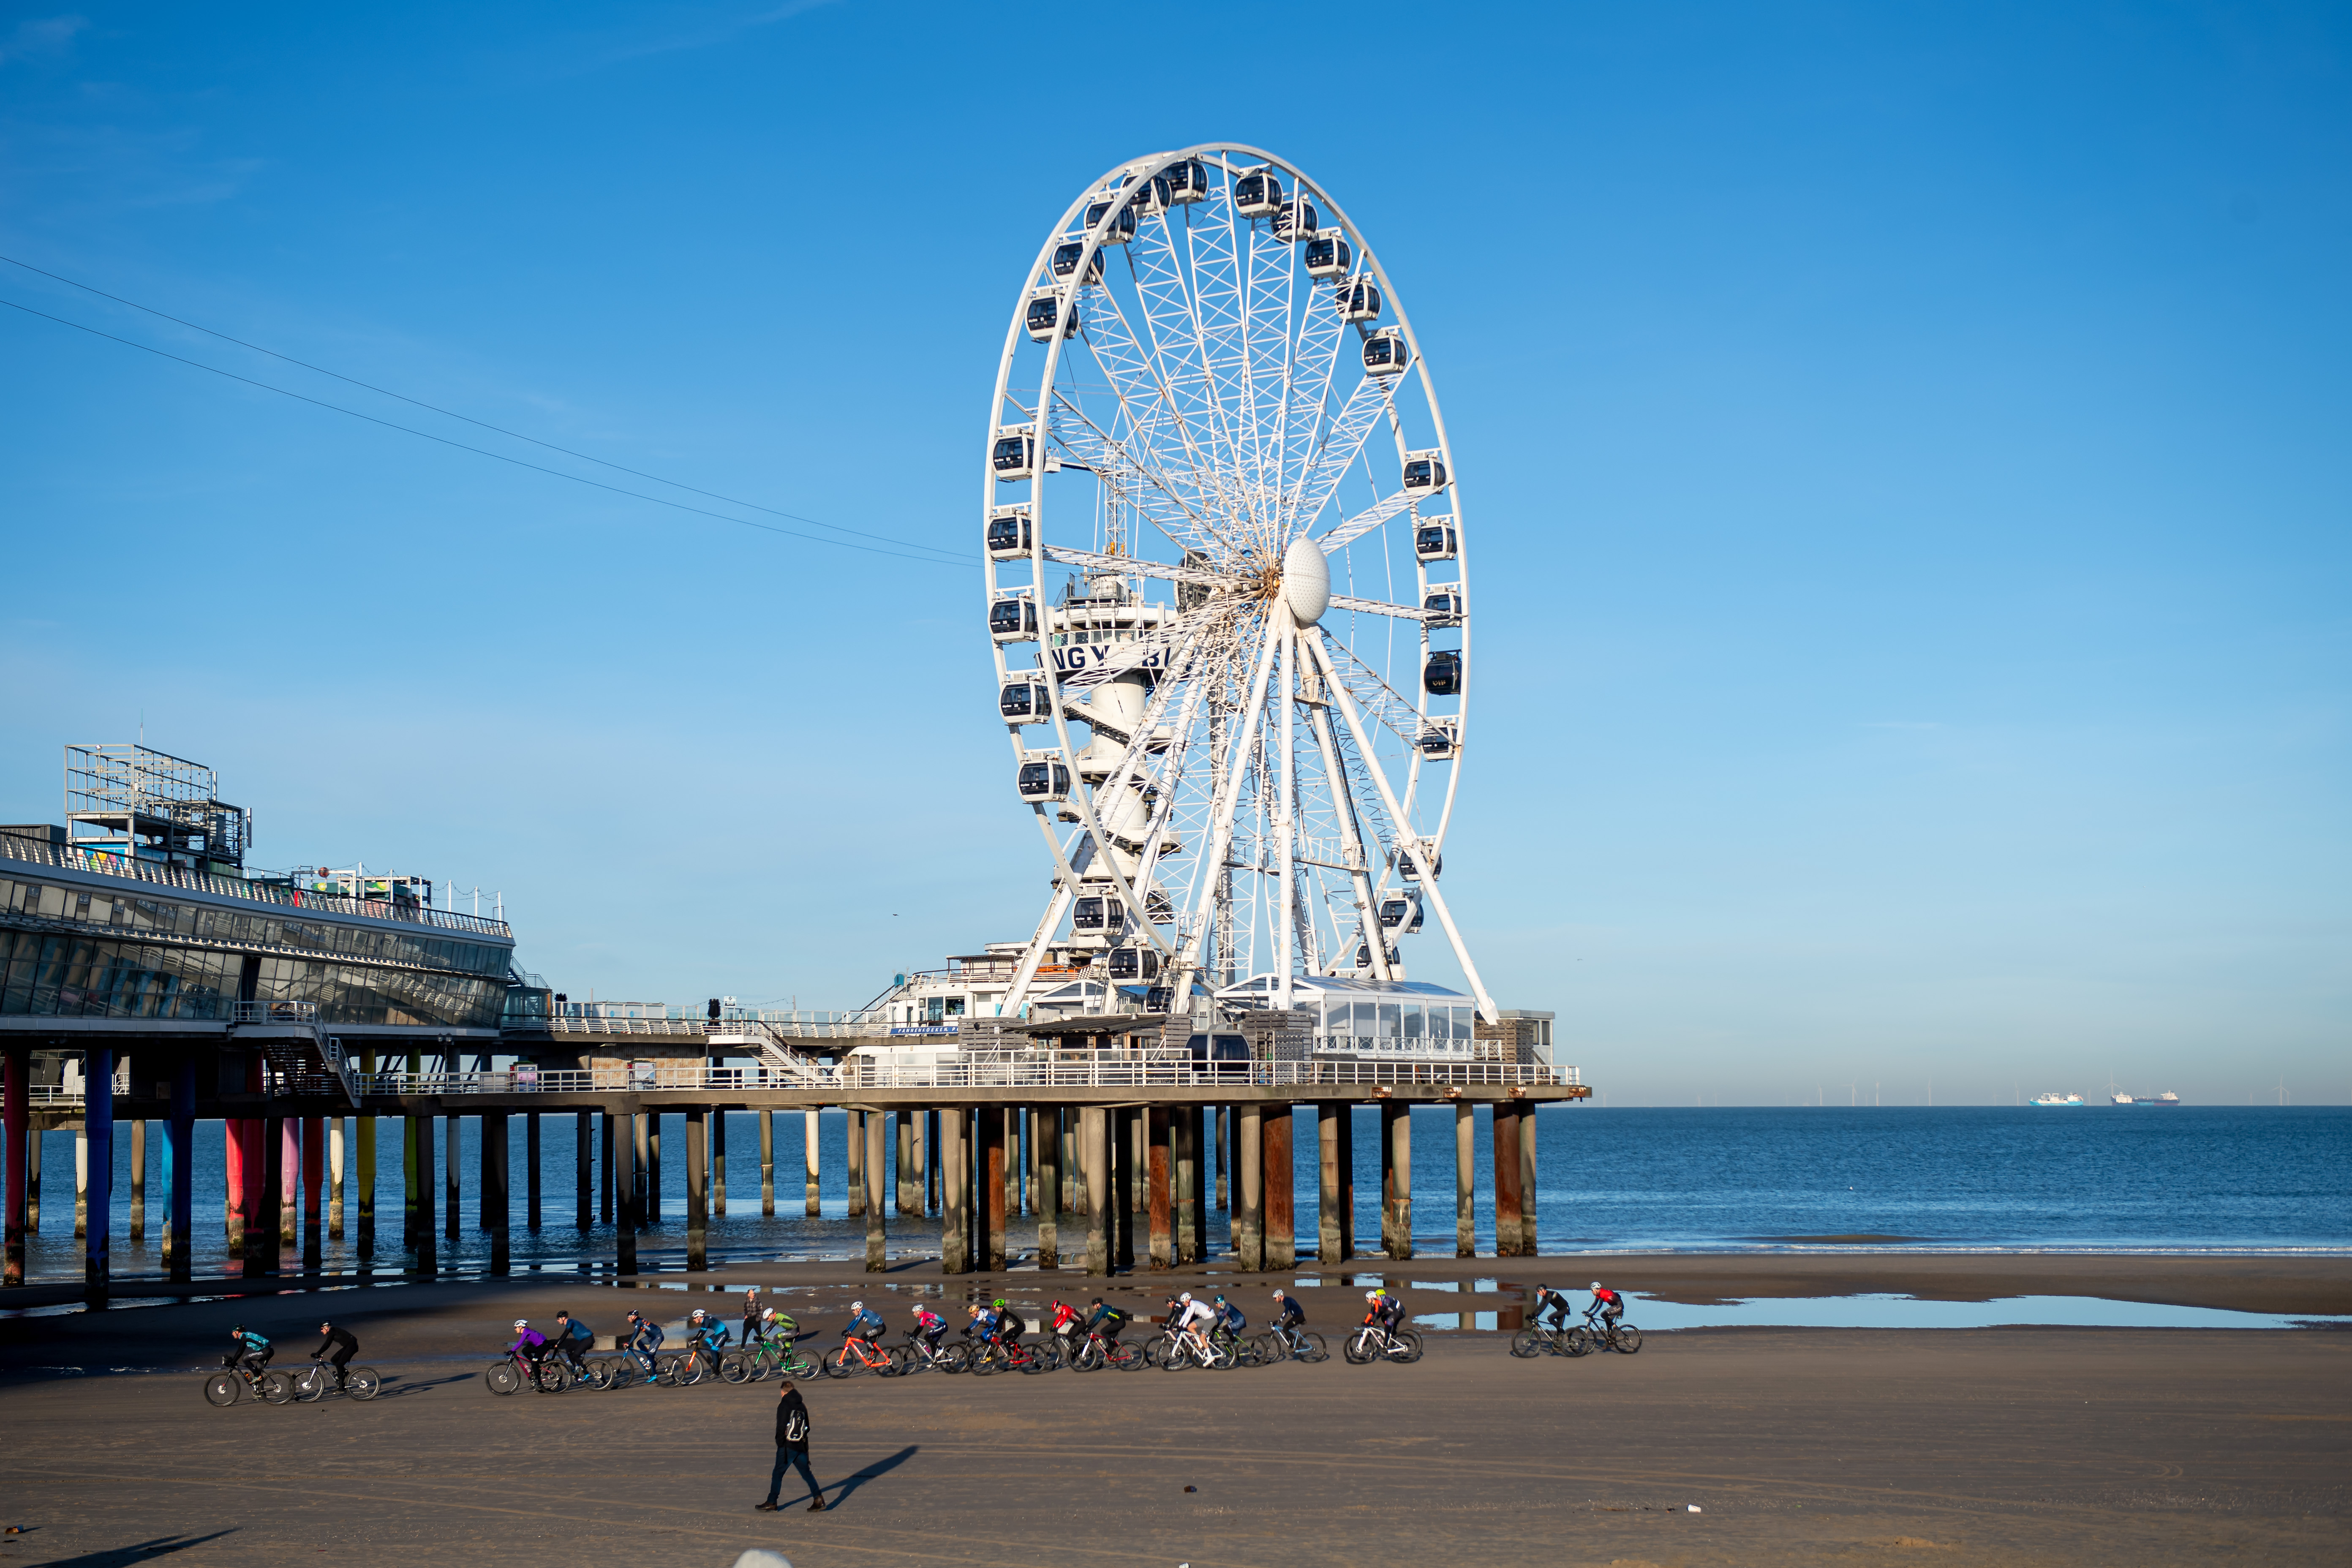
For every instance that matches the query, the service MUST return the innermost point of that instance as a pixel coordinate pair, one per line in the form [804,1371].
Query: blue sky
[1908,445]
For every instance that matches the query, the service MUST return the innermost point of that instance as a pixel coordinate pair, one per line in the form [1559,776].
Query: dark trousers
[791,1458]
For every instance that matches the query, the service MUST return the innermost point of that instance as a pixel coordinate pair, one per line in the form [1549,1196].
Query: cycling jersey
[1609,1302]
[1553,1303]
[1232,1319]
[866,1325]
[648,1337]
[930,1325]
[581,1332]
[530,1341]
[716,1336]
[1107,1322]
[1195,1312]
[1292,1315]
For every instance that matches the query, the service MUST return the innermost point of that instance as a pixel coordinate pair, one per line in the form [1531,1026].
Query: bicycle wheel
[1577,1341]
[1405,1345]
[1628,1339]
[1357,1348]
[1310,1348]
[800,1365]
[736,1367]
[625,1371]
[838,1363]
[550,1376]
[1124,1356]
[362,1382]
[500,1377]
[311,1384]
[691,1366]
[223,1388]
[276,1388]
[1526,1342]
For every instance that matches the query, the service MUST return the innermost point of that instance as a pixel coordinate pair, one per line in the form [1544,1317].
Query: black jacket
[337,1338]
[792,1421]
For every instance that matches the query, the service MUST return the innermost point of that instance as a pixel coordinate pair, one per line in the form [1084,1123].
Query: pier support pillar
[1095,1158]
[910,1193]
[1049,1186]
[246,1226]
[878,1181]
[420,1130]
[651,1214]
[280,1201]
[98,1188]
[496,1175]
[16,1092]
[81,1173]
[697,1189]
[1159,1207]
[138,1232]
[1527,1178]
[1249,1195]
[583,1169]
[1347,1181]
[408,1125]
[1185,1129]
[718,1160]
[1327,1116]
[932,1165]
[855,1162]
[179,1174]
[626,1150]
[338,1157]
[33,1160]
[453,1146]
[1396,1148]
[1281,1177]
[815,1202]
[1127,1182]
[767,1165]
[1465,1180]
[314,1181]
[1507,1200]
[604,1148]
[955,1163]
[1224,1142]
[530,1173]
[992,1179]
[637,1166]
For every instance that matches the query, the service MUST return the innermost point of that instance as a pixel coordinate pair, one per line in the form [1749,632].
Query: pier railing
[1103,1072]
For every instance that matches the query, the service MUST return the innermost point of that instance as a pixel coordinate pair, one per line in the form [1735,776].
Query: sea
[2193,1179]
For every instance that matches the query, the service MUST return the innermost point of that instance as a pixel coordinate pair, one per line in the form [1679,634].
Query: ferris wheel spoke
[1372,400]
[1097,561]
[1271,269]
[1152,494]
[1154,413]
[1363,523]
[1140,653]
[1384,703]
[1321,328]
[1379,607]
[1179,350]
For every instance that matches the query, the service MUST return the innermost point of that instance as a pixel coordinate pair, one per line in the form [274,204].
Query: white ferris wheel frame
[1282,642]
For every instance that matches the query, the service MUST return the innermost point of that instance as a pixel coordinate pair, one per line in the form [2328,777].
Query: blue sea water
[1964,1178]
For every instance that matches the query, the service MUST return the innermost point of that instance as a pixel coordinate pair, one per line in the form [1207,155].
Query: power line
[483,451]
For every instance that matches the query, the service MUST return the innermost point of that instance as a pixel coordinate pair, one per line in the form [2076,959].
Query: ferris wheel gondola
[1231,651]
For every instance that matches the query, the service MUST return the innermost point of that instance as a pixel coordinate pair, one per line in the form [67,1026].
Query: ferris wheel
[1228,594]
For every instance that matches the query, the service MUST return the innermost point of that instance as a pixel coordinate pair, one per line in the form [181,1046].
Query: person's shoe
[764,1506]
[818,1506]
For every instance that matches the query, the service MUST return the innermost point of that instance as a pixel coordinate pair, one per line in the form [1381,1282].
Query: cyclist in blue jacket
[707,1336]
[864,1324]
[252,1351]
[644,1338]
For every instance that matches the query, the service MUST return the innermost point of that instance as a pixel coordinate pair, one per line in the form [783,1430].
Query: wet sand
[1801,1447]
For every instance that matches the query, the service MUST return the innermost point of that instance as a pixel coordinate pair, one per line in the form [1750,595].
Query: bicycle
[755,1362]
[918,1354]
[1179,1350]
[1372,1343]
[1100,1351]
[1605,1334]
[1009,1355]
[1283,1342]
[1536,1340]
[678,1369]
[518,1370]
[311,1384]
[224,1388]
[857,1353]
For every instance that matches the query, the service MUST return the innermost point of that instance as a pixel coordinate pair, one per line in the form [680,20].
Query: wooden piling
[1281,1188]
[1505,1132]
[1185,1148]
[853,1150]
[1528,1179]
[809,1123]
[337,1153]
[698,1190]
[993,1177]
[768,1165]
[583,1169]
[1096,1156]
[1399,1142]
[955,1161]
[497,1177]
[138,1231]
[717,1161]
[420,1133]
[530,1173]
[877,1194]
[1328,1116]
[1157,1203]
[1466,1182]
[1249,1214]
[1049,1186]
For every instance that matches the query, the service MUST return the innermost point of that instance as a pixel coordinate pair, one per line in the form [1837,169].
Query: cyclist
[1608,1303]
[774,1323]
[643,1338]
[1550,1301]
[863,1324]
[1008,1324]
[1065,1325]
[575,1340]
[531,1343]
[1194,1318]
[1230,1322]
[707,1336]
[1106,1320]
[344,1345]
[252,1351]
[929,1326]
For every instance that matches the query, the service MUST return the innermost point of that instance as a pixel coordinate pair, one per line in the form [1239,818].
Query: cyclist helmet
[522,1322]
[324,1327]
[1596,1284]
[1371,1295]
[1220,1298]
[1187,1296]
[1096,1302]
[236,1331]
[1277,1295]
[998,1303]
[633,1318]
[767,1315]
[857,1306]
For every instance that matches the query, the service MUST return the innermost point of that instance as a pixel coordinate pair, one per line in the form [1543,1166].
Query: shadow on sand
[878,1468]
[145,1551]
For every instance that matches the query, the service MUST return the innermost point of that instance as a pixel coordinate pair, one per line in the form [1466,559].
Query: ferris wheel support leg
[1487,1008]
[1360,878]
[1285,818]
[1221,836]
[1018,992]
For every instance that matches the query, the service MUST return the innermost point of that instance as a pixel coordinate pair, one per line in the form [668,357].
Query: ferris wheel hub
[1305,580]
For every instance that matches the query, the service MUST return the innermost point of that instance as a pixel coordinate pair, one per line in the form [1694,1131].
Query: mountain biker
[1548,1300]
[1009,1325]
[928,1328]
[863,1324]
[1106,1320]
[252,1351]
[1608,1303]
[343,1343]
[777,1324]
[707,1336]
[1230,1322]
[643,1338]
[1066,1323]
[573,1339]
[1193,1320]
[531,1343]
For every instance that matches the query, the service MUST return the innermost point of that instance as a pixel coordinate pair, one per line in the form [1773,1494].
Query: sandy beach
[1961,1446]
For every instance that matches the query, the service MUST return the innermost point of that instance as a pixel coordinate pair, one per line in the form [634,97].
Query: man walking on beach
[792,1449]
